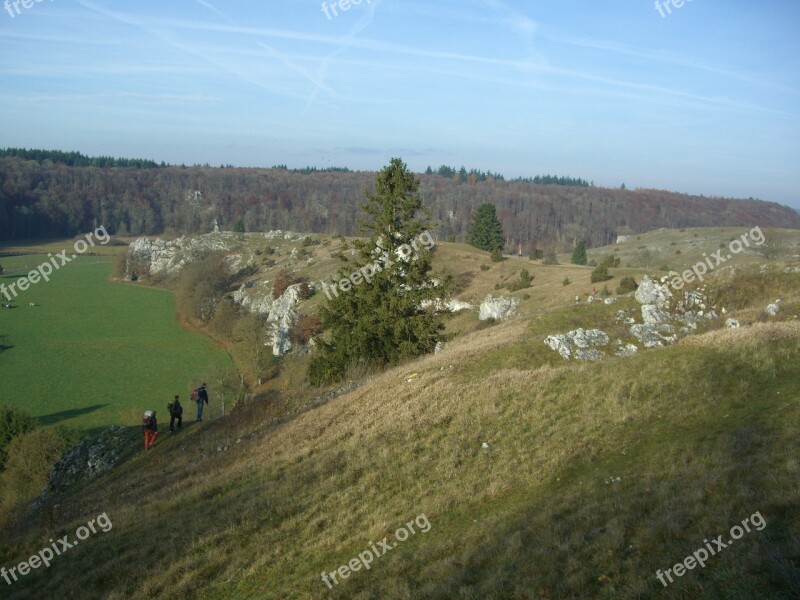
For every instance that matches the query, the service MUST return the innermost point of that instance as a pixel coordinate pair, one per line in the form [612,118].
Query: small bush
[536,254]
[485,267]
[13,422]
[282,281]
[497,255]
[462,281]
[30,458]
[525,280]
[306,328]
[626,285]
[550,257]
[600,274]
[566,282]
[305,292]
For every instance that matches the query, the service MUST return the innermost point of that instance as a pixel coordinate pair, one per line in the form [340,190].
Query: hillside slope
[538,478]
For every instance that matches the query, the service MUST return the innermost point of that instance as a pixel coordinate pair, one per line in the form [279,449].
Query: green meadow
[92,352]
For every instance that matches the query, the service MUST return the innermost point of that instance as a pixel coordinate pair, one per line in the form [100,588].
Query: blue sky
[703,100]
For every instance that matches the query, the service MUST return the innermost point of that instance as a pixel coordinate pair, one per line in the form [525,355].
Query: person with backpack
[150,428]
[202,396]
[175,412]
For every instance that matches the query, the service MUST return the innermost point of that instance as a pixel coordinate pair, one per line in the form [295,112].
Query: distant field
[92,352]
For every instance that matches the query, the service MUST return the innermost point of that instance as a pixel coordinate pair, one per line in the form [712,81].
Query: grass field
[93,353]
[540,478]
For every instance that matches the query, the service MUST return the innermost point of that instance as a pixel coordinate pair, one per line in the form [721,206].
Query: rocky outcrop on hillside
[664,319]
[158,257]
[580,343]
[155,257]
[88,460]
[498,309]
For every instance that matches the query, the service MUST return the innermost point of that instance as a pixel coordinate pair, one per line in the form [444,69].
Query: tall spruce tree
[486,232]
[579,254]
[379,322]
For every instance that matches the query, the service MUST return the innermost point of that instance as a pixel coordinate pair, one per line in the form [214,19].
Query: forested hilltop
[43,196]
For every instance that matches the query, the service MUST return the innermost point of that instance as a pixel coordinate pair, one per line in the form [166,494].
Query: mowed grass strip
[93,353]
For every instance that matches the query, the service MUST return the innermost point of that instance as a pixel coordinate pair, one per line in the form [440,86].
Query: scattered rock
[581,343]
[627,350]
[653,315]
[732,324]
[654,336]
[772,309]
[86,461]
[498,309]
[652,292]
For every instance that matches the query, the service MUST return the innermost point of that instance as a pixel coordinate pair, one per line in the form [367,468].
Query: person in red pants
[150,428]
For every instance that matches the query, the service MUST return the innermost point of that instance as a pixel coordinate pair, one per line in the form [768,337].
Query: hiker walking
[175,412]
[150,428]
[202,397]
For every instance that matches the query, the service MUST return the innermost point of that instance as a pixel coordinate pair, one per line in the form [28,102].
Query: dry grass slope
[700,436]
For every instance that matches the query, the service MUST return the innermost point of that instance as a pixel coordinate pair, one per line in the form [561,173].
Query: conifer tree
[380,322]
[486,232]
[579,254]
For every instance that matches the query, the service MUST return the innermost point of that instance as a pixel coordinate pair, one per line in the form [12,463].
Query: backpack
[148,418]
[194,395]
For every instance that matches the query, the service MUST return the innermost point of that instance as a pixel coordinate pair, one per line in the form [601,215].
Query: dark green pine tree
[380,322]
[579,254]
[486,232]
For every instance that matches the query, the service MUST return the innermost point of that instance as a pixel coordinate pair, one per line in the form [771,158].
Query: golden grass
[700,435]
[755,334]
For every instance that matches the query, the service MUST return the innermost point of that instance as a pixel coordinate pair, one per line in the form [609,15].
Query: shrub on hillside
[628,284]
[30,458]
[496,255]
[306,328]
[13,422]
[525,281]
[600,274]
[462,281]
[282,281]
[201,286]
[550,257]
[304,292]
